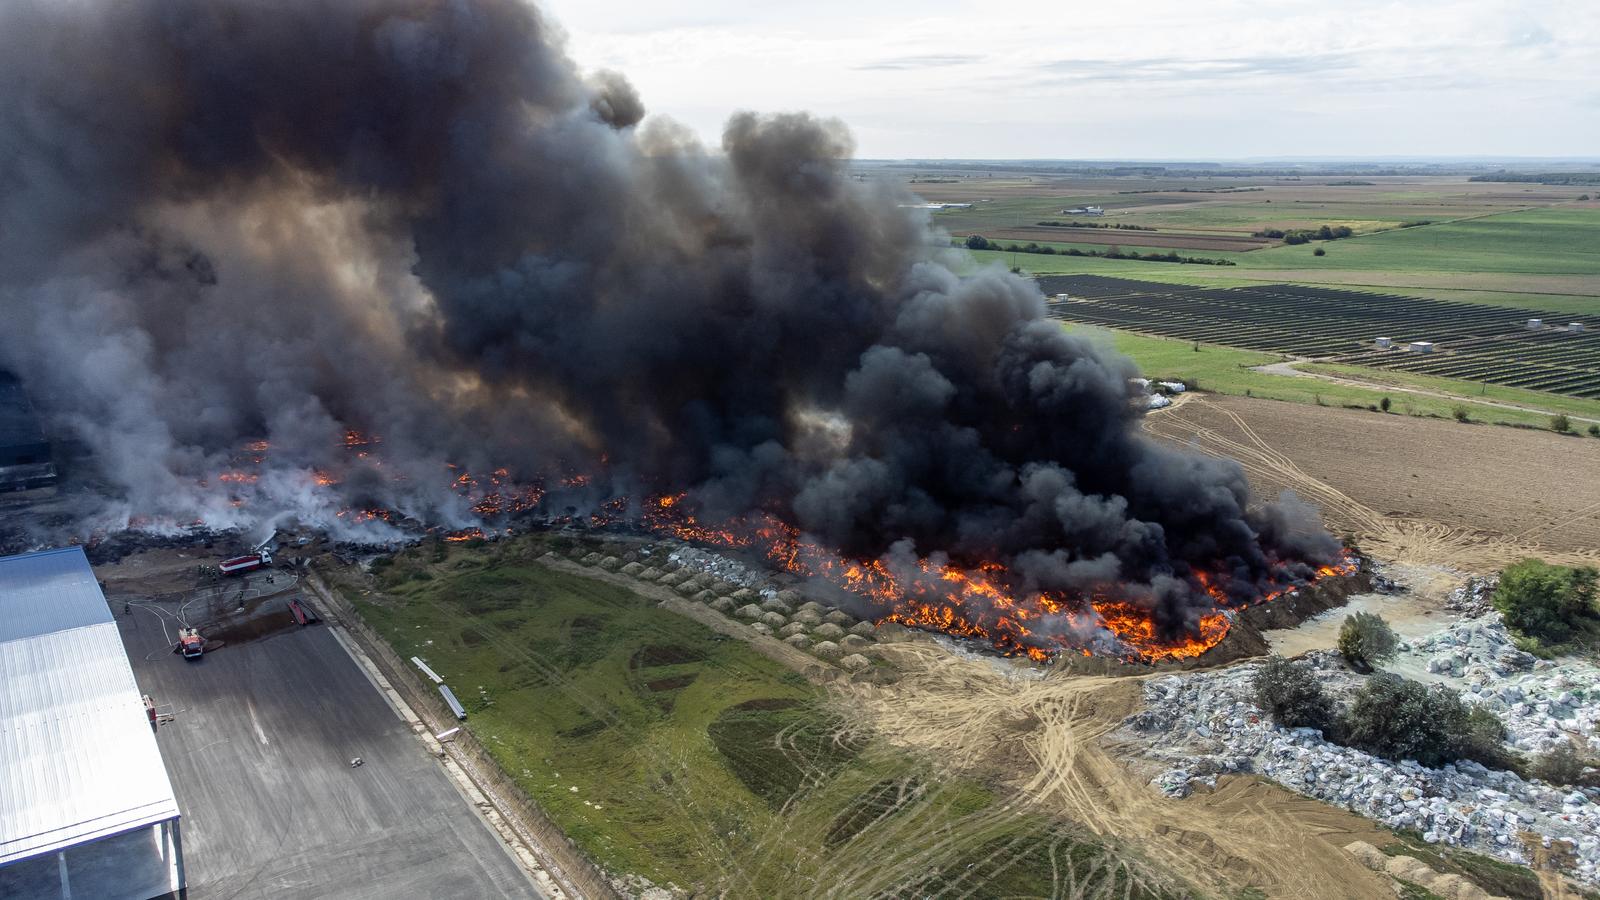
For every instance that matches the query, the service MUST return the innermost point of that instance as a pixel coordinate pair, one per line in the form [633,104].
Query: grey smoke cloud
[228,220]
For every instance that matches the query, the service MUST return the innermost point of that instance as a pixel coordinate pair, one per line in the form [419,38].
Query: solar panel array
[1473,342]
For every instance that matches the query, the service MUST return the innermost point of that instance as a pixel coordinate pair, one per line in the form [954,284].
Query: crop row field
[1472,342]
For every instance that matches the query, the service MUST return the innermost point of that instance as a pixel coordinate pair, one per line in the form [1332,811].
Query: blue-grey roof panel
[54,590]
[78,760]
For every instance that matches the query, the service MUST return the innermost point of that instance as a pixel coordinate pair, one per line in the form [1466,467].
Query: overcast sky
[1153,79]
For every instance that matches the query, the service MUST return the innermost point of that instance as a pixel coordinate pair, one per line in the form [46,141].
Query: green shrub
[1594,430]
[1366,639]
[1404,719]
[1561,766]
[1460,412]
[1399,719]
[1290,693]
[1545,602]
[1319,252]
[1384,404]
[1560,424]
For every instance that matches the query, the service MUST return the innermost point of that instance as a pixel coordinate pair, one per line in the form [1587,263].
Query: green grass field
[1543,242]
[1228,370]
[1519,246]
[1243,276]
[669,751]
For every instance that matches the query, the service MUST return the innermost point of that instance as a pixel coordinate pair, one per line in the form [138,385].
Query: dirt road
[1288,368]
[1410,490]
[1044,736]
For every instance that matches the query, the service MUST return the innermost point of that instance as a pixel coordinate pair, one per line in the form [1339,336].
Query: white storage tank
[1575,327]
[1420,347]
[1385,343]
[1535,324]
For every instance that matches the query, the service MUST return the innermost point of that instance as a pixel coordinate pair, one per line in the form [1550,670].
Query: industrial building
[24,452]
[86,807]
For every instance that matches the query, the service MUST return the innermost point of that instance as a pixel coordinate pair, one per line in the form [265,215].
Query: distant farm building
[86,808]
[1084,211]
[1420,346]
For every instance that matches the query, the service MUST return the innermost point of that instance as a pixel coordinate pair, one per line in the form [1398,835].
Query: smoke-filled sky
[1163,79]
[224,221]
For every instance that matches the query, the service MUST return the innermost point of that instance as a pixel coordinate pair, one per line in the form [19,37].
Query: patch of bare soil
[1410,490]
[1177,240]
[1045,738]
[1419,609]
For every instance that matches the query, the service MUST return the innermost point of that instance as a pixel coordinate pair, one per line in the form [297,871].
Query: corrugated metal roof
[78,760]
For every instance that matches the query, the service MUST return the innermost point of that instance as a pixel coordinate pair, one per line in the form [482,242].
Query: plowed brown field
[1425,490]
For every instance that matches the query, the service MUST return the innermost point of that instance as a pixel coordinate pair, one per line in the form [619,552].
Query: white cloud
[1162,78]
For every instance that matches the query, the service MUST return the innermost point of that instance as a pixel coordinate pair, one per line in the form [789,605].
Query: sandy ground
[1417,609]
[1410,490]
[1044,737]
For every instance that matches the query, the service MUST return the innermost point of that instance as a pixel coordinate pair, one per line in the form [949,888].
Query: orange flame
[977,602]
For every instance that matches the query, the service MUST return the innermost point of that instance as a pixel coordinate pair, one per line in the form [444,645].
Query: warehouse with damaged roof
[86,807]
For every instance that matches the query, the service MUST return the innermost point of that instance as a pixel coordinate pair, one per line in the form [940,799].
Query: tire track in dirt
[969,718]
[1391,537]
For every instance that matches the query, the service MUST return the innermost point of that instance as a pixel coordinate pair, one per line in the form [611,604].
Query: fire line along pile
[1206,724]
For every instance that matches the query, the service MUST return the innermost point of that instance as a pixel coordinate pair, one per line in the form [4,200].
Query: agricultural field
[1525,246]
[670,751]
[1440,491]
[1474,342]
[1246,373]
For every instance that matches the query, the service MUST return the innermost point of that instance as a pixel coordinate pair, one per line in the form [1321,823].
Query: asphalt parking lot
[259,754]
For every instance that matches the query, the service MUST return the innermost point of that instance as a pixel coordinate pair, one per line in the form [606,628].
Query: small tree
[1560,766]
[1290,693]
[1384,404]
[1365,640]
[977,242]
[1594,430]
[1460,412]
[1560,424]
[1399,719]
[1320,251]
[1545,602]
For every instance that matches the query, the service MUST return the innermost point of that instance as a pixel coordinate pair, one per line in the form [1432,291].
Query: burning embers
[985,602]
[980,602]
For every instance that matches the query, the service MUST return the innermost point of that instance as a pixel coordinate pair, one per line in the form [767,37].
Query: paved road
[259,757]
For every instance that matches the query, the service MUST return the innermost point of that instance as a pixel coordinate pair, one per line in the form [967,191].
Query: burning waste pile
[285,227]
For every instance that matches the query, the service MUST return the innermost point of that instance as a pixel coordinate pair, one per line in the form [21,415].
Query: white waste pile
[1543,703]
[715,565]
[1472,598]
[1204,724]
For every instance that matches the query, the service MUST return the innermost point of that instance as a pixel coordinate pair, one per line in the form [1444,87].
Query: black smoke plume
[229,220]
